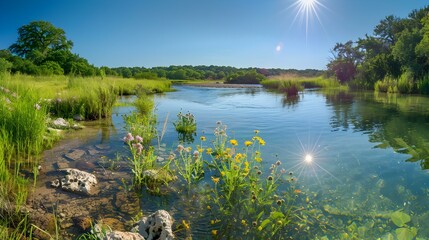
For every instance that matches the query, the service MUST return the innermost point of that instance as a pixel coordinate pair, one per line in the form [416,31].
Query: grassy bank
[291,84]
[26,105]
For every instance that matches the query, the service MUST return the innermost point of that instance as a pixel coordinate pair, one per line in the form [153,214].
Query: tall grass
[26,102]
[293,84]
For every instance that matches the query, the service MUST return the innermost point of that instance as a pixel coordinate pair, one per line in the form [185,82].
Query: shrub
[405,83]
[423,85]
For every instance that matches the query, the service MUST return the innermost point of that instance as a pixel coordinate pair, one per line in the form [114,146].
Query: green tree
[37,39]
[422,48]
[5,65]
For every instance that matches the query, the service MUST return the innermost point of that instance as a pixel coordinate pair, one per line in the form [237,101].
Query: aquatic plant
[189,164]
[185,123]
[141,125]
[243,191]
[144,103]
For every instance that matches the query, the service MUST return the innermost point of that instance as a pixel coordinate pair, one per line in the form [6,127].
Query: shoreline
[224,85]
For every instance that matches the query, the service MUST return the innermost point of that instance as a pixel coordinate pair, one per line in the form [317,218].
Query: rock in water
[156,226]
[104,232]
[77,181]
[60,123]
[75,154]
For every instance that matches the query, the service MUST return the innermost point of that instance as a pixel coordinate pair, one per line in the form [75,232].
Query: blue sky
[239,33]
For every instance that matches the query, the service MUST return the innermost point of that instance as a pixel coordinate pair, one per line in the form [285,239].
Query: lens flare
[308,158]
[307,9]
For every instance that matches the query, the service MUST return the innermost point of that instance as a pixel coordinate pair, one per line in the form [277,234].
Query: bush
[423,85]
[245,78]
[405,82]
[387,85]
[5,65]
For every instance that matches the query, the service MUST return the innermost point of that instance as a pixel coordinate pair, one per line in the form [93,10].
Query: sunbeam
[307,10]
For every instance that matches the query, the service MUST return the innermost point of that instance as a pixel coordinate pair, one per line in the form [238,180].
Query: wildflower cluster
[185,123]
[242,191]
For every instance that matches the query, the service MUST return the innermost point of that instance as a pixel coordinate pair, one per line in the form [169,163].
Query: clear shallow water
[369,153]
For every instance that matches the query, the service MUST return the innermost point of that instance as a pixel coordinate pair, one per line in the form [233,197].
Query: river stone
[60,123]
[75,154]
[106,233]
[61,165]
[78,117]
[156,226]
[83,223]
[77,181]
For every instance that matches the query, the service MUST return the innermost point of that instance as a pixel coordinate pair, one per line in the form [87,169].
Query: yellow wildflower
[233,142]
[256,131]
[214,232]
[203,138]
[257,153]
[209,151]
[248,143]
[243,222]
[186,225]
[215,180]
[258,159]
[222,173]
[212,222]
[261,142]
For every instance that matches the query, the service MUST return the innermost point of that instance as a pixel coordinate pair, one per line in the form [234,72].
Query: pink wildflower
[138,147]
[180,148]
[139,139]
[128,138]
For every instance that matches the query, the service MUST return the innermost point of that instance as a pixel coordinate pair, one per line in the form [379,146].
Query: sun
[307,10]
[308,158]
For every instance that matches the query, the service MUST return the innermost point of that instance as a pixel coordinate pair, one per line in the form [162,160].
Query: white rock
[156,226]
[105,233]
[77,181]
[60,123]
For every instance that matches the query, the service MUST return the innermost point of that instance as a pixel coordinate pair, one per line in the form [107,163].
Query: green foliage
[189,164]
[39,38]
[5,65]
[144,104]
[141,125]
[251,77]
[423,85]
[51,68]
[89,98]
[406,83]
[244,198]
[398,48]
[387,85]
[185,123]
[400,218]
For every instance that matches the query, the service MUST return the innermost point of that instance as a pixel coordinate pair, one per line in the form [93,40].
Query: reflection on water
[368,155]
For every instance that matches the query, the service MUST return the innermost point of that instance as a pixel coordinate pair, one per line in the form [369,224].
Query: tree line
[395,58]
[43,49]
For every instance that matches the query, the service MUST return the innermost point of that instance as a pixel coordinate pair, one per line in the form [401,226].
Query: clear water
[370,154]
[369,151]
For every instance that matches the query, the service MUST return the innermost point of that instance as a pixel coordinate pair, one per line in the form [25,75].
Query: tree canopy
[396,54]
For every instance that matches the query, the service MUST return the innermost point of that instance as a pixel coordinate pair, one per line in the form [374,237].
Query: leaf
[275,215]
[265,222]
[404,234]
[399,218]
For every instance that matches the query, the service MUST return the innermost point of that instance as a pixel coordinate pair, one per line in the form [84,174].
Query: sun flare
[308,158]
[307,10]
